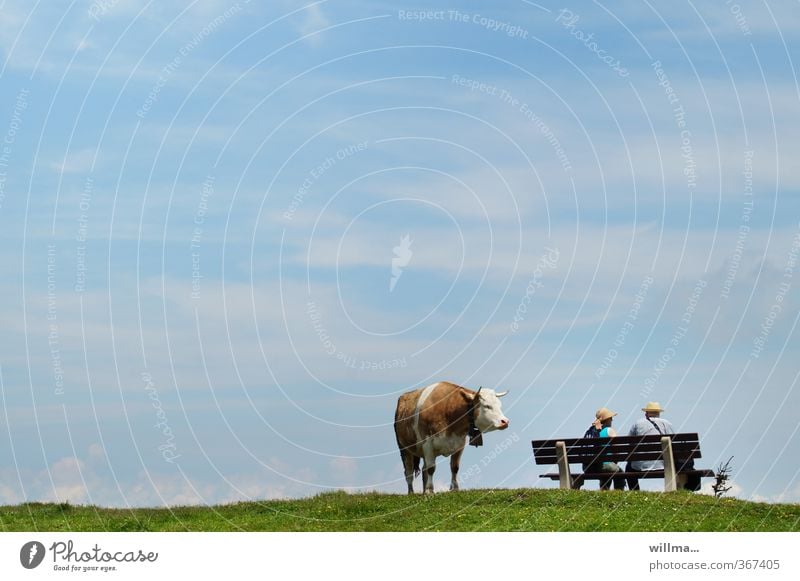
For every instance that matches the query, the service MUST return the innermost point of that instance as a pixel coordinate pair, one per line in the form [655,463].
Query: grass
[472,510]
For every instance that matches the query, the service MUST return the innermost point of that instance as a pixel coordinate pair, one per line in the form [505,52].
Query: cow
[436,420]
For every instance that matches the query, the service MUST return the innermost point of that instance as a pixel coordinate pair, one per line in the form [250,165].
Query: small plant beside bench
[678,451]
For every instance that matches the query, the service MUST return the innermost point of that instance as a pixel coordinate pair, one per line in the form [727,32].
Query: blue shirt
[604,434]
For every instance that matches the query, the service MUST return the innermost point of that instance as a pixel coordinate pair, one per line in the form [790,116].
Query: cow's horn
[501,393]
[479,390]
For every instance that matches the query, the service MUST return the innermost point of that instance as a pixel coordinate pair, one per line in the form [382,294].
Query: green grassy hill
[472,510]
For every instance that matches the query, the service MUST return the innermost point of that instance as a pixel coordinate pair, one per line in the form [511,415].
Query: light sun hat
[601,415]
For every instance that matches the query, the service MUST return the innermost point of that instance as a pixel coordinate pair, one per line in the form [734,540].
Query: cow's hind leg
[455,463]
[409,468]
[428,468]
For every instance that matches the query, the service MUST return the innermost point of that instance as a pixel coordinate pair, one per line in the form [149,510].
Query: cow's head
[489,411]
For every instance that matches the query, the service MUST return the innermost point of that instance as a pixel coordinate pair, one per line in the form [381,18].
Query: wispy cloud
[313,20]
[80,161]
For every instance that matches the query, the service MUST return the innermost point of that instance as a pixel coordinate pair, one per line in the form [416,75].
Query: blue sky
[201,204]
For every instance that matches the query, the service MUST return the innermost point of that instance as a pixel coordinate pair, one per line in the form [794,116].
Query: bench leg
[682,479]
[565,478]
[670,477]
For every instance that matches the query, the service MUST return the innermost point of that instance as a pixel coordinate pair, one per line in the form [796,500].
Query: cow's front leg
[428,468]
[455,463]
[427,477]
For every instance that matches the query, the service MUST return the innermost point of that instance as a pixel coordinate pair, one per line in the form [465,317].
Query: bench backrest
[619,449]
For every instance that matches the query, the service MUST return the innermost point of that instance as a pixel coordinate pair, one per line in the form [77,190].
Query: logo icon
[31,554]
[402,256]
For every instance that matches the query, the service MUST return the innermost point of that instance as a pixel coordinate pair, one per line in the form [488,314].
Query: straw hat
[653,407]
[601,415]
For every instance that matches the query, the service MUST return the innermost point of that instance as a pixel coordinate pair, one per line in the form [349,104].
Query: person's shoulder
[642,427]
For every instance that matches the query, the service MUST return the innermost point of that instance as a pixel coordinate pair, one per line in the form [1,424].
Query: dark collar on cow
[475,436]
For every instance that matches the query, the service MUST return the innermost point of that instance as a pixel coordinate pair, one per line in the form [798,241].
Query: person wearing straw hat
[602,422]
[652,423]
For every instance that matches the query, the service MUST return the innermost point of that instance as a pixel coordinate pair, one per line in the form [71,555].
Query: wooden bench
[675,450]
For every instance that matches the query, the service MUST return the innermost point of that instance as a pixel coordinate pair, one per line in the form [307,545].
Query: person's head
[653,409]
[603,418]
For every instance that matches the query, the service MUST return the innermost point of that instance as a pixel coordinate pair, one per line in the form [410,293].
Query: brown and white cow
[435,421]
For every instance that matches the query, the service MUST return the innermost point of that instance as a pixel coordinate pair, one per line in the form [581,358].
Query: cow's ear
[469,396]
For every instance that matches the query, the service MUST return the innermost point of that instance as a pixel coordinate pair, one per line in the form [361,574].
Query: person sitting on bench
[653,424]
[603,419]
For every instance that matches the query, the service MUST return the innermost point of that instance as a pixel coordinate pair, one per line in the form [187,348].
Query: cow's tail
[405,451]
[401,416]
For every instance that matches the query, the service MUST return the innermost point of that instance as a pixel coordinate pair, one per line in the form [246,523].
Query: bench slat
[621,457]
[551,443]
[605,446]
[639,474]
[601,446]
[616,455]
